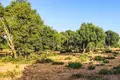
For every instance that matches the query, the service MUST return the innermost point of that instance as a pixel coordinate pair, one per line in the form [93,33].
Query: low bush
[52,54]
[115,54]
[10,74]
[33,56]
[105,71]
[57,63]
[63,51]
[99,58]
[68,58]
[95,78]
[100,65]
[117,67]
[91,67]
[116,71]
[74,65]
[108,51]
[77,76]
[46,60]
[19,59]
[84,57]
[112,57]
[105,61]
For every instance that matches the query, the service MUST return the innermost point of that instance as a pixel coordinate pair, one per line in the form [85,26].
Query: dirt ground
[60,72]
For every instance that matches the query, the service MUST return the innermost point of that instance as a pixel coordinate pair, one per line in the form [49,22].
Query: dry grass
[47,71]
[8,69]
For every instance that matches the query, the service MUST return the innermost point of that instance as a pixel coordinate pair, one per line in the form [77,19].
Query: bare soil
[60,72]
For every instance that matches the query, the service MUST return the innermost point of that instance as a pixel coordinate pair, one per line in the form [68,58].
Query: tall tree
[5,28]
[25,26]
[70,38]
[90,35]
[112,38]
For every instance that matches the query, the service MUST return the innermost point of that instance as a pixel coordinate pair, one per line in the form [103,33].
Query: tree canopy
[23,31]
[112,38]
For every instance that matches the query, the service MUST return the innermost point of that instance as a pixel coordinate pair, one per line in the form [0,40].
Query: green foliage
[115,70]
[68,58]
[19,18]
[99,58]
[18,60]
[105,71]
[69,40]
[74,65]
[91,67]
[100,64]
[112,38]
[110,57]
[11,74]
[108,51]
[117,67]
[52,54]
[84,57]
[91,36]
[10,59]
[95,78]
[46,60]
[1,10]
[77,76]
[105,61]
[57,63]
[115,54]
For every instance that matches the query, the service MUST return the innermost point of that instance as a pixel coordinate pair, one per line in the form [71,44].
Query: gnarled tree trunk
[9,39]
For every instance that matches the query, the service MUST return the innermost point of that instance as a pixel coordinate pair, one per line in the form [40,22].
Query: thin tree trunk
[109,46]
[9,40]
[84,49]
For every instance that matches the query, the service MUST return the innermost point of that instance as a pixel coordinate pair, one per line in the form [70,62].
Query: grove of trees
[23,31]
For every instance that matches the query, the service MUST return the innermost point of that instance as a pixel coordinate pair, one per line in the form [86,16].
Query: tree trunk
[109,46]
[84,50]
[9,40]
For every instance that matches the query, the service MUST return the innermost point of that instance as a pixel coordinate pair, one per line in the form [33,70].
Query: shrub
[84,57]
[100,65]
[9,74]
[99,58]
[95,78]
[12,60]
[110,57]
[43,56]
[74,65]
[115,54]
[108,51]
[117,67]
[116,71]
[91,67]
[7,59]
[68,58]
[47,60]
[63,51]
[105,71]
[57,63]
[33,56]
[52,54]
[77,76]
[105,61]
